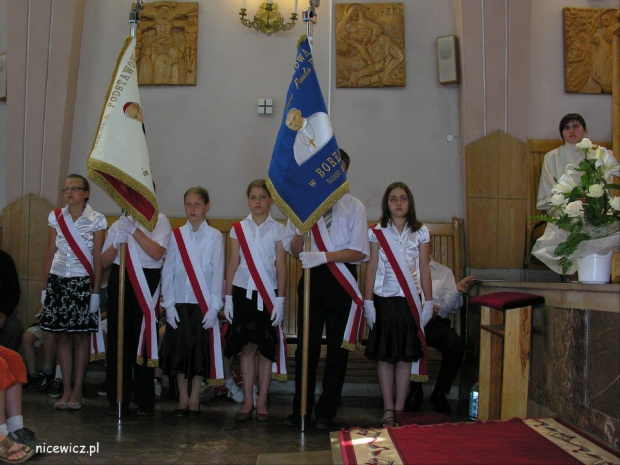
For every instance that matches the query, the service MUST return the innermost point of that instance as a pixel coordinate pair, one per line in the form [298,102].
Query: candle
[243,4]
[295,7]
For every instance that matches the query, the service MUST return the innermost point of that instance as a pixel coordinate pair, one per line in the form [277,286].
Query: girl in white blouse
[393,340]
[185,348]
[71,284]
[252,329]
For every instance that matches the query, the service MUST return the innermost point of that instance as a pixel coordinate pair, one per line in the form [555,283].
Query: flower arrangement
[586,210]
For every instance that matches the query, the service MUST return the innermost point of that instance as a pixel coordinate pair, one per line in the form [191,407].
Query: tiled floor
[214,437]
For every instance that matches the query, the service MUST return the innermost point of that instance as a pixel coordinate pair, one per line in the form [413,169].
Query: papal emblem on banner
[306,175]
[119,158]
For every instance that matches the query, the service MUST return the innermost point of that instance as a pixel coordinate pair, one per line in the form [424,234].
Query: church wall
[211,135]
[548,101]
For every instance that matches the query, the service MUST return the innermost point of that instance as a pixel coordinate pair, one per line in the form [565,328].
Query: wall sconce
[268,19]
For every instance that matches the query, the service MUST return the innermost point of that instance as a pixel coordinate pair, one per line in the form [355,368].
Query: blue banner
[305,176]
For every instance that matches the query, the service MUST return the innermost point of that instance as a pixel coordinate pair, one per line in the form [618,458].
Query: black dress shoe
[294,419]
[180,412]
[143,412]
[323,424]
[193,413]
[440,403]
[414,401]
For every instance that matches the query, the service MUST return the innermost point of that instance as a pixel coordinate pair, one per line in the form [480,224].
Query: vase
[595,268]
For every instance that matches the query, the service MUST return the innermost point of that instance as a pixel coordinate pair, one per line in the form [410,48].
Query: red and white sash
[148,304]
[266,291]
[419,369]
[352,332]
[196,277]
[80,249]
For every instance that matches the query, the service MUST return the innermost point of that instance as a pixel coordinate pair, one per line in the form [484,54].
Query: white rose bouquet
[587,210]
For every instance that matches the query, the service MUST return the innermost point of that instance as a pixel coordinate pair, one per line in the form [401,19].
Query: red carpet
[515,442]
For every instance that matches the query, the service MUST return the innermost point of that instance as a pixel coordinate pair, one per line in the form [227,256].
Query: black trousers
[137,379]
[442,337]
[329,308]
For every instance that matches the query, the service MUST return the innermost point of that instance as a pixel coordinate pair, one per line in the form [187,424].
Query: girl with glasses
[72,280]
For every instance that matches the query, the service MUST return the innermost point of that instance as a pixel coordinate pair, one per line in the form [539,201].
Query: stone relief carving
[370,45]
[166,43]
[587,49]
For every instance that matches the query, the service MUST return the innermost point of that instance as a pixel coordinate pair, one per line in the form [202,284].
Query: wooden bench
[448,244]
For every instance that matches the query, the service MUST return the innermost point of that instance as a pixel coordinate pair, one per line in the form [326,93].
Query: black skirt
[67,305]
[250,325]
[186,349]
[394,337]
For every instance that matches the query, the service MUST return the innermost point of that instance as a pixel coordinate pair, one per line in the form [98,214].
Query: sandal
[61,405]
[388,422]
[5,451]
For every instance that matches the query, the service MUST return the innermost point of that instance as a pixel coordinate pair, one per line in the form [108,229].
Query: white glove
[210,319]
[427,313]
[312,259]
[172,316]
[120,238]
[43,294]
[95,300]
[228,309]
[126,224]
[277,315]
[370,313]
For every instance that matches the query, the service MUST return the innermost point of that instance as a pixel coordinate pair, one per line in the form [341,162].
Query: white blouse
[386,283]
[348,229]
[66,264]
[209,246]
[160,234]
[265,236]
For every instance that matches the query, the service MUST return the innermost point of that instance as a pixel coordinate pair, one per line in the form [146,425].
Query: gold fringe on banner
[110,87]
[97,166]
[318,213]
[215,382]
[279,377]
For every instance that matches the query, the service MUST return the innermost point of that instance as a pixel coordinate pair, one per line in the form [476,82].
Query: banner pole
[121,329]
[134,18]
[309,17]
[305,341]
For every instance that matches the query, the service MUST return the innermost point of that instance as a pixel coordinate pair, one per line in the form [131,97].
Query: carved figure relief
[370,45]
[166,43]
[587,49]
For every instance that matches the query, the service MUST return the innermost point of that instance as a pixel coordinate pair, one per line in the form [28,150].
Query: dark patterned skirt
[67,303]
[250,325]
[186,349]
[394,337]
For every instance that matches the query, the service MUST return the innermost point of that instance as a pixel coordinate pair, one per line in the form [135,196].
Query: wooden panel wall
[496,172]
[24,237]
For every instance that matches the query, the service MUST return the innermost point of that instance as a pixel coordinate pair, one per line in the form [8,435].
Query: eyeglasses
[72,189]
